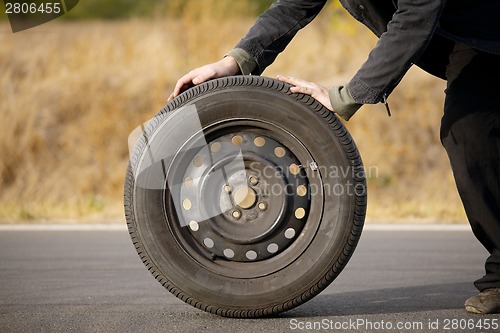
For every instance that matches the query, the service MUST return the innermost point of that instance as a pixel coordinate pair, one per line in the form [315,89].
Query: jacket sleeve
[408,34]
[275,28]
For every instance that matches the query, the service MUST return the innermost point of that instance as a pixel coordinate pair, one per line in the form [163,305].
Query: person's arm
[275,28]
[269,35]
[407,36]
[336,99]
[224,67]
[403,43]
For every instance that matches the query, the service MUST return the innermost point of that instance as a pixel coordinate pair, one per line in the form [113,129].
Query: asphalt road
[93,281]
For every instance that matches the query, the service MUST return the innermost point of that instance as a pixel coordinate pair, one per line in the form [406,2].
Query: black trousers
[470,133]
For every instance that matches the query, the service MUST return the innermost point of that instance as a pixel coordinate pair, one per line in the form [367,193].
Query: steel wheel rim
[259,232]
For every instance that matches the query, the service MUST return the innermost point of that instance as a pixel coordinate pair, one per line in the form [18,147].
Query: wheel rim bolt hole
[236,214]
[253,180]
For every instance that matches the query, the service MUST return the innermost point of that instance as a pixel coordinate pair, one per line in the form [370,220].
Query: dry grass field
[72,92]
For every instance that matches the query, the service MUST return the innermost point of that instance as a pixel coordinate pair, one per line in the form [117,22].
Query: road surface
[77,280]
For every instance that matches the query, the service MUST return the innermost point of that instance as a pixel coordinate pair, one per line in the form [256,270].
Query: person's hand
[316,91]
[224,67]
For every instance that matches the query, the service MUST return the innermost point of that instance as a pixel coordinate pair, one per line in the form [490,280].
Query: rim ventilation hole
[188,182]
[237,140]
[301,190]
[279,152]
[272,248]
[198,161]
[193,225]
[259,141]
[208,243]
[251,255]
[186,204]
[300,213]
[229,253]
[215,147]
[294,169]
[290,233]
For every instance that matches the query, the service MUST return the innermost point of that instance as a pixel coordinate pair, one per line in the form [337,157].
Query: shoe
[488,301]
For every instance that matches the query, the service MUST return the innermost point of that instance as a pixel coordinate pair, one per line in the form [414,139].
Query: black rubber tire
[301,271]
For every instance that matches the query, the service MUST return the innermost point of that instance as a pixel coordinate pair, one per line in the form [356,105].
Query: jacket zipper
[386,105]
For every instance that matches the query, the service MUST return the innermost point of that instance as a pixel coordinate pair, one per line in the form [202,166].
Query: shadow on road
[387,301]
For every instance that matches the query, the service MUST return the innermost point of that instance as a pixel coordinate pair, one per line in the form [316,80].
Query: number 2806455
[33,8]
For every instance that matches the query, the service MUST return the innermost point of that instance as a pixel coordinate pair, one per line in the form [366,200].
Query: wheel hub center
[245,197]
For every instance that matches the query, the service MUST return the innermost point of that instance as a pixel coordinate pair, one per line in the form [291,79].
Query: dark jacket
[419,32]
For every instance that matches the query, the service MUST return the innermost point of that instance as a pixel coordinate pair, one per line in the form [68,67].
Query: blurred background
[72,90]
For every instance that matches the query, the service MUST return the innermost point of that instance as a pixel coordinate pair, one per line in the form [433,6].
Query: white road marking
[118,226]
